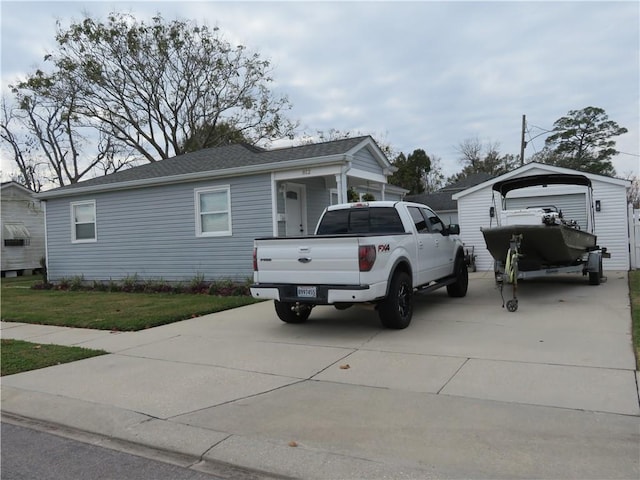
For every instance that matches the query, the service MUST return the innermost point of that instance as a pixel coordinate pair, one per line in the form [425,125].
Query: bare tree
[19,148]
[478,158]
[51,144]
[434,178]
[161,86]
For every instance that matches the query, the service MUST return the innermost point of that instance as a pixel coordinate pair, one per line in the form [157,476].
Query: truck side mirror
[453,229]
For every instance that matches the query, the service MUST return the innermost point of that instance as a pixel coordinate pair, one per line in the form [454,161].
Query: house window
[213,211]
[16,235]
[83,222]
[17,242]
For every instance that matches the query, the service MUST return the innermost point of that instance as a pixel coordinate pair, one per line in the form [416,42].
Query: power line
[631,154]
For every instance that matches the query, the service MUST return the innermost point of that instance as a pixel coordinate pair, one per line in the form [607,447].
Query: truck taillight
[366,257]
[255,259]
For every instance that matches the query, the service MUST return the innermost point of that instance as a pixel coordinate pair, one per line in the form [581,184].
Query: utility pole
[522,142]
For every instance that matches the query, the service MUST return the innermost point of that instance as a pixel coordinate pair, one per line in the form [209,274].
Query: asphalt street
[28,454]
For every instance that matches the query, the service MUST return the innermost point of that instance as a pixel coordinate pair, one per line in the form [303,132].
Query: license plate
[307,292]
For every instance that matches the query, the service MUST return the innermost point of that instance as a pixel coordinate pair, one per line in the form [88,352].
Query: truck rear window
[380,220]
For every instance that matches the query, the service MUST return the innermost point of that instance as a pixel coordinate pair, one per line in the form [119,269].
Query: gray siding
[390,196]
[317,200]
[151,233]
[17,206]
[449,217]
[363,160]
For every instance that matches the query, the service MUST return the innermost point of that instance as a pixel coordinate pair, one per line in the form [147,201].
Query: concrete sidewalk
[468,390]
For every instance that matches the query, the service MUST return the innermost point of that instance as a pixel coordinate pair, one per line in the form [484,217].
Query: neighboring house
[442,202]
[475,205]
[197,214]
[22,229]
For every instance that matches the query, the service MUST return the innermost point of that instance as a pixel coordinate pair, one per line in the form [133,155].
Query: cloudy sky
[419,74]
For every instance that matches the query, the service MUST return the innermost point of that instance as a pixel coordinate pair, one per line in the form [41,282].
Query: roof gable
[16,186]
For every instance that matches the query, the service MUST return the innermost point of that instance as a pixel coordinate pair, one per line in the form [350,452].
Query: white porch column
[341,183]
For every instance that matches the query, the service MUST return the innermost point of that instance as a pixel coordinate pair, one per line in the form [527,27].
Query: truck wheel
[396,309]
[291,313]
[459,288]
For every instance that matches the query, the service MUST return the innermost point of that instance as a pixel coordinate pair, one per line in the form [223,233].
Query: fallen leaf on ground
[345,367]
[293,444]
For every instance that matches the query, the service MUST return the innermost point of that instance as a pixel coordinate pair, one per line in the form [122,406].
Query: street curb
[192,462]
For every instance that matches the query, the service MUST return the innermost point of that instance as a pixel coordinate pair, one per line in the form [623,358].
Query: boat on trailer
[538,241]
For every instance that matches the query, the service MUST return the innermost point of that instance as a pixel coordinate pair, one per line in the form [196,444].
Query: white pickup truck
[376,252]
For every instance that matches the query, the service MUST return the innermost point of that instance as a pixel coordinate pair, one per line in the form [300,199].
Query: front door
[294,209]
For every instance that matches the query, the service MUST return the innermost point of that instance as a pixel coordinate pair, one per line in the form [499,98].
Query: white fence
[634,237]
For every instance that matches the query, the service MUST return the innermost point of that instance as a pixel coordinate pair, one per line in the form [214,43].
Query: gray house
[197,214]
[22,230]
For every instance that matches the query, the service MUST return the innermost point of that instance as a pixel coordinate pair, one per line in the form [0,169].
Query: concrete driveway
[468,390]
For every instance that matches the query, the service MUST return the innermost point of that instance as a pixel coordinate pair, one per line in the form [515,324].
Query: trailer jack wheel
[512,305]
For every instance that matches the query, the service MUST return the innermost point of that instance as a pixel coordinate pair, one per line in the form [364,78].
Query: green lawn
[18,356]
[105,310]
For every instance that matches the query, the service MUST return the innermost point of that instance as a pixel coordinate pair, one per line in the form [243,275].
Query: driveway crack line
[452,376]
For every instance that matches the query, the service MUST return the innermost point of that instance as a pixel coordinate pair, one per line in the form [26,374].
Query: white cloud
[426,74]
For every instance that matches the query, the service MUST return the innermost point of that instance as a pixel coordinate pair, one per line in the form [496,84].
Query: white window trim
[95,223]
[198,218]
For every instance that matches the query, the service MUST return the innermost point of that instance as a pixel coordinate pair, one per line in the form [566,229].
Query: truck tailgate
[308,261]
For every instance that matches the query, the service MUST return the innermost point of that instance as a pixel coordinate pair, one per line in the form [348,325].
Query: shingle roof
[441,200]
[437,200]
[468,181]
[219,158]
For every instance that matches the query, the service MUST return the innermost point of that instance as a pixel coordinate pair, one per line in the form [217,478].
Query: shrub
[198,285]
[42,286]
[132,284]
[77,283]
[158,286]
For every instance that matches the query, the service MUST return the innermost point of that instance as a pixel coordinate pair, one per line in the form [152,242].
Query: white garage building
[475,205]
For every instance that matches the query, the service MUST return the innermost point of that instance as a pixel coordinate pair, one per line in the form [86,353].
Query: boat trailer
[509,273]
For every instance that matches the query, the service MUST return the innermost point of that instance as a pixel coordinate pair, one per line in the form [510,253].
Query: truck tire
[396,310]
[459,288]
[289,312]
